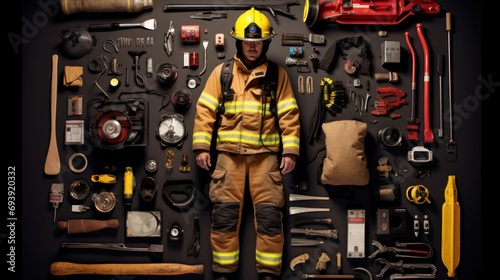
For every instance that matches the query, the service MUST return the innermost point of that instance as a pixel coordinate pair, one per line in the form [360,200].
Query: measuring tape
[418,194]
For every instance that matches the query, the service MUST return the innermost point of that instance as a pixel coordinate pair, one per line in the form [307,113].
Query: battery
[74,132]
[191,59]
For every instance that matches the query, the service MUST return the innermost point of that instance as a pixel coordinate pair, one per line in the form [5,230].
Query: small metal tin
[151,166]
[390,136]
[79,189]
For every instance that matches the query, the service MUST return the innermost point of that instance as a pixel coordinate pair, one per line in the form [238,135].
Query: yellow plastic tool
[450,229]
[128,185]
[103,178]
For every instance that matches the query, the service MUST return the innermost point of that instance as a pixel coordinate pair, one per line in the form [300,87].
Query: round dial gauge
[141,223]
[172,130]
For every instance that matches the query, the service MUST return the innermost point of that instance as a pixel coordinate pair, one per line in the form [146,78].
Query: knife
[332,233]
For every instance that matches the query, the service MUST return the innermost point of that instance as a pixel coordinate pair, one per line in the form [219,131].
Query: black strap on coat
[269,88]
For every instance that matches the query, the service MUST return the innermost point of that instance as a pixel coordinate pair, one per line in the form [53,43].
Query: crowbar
[273,8]
[412,125]
[428,134]
[153,248]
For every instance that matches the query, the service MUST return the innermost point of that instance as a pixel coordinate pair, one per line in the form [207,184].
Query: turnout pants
[227,190]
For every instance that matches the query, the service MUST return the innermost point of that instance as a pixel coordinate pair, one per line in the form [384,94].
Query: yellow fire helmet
[252,25]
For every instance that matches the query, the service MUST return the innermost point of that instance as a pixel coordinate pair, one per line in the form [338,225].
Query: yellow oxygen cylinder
[450,228]
[128,185]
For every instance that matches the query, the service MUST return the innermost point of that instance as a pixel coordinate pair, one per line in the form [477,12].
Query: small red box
[190,34]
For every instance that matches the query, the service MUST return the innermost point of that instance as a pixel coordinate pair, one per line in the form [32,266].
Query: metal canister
[104,201]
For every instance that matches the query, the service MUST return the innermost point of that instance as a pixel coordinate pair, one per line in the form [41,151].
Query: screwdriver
[56,196]
[439,63]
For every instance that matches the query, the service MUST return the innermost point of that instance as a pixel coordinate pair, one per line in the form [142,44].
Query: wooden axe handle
[87,225]
[69,268]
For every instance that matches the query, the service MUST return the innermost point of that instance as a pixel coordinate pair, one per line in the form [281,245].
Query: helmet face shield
[252,25]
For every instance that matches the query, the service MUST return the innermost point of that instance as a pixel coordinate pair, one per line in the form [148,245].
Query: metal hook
[110,41]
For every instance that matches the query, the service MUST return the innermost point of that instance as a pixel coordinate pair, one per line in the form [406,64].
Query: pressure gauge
[171,130]
[143,224]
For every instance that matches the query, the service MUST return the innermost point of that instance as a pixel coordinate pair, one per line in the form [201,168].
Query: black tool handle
[439,64]
[107,26]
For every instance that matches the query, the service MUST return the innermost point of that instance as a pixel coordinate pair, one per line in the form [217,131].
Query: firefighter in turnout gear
[257,140]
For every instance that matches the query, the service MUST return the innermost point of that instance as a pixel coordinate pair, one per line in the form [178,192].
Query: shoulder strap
[226,78]
[272,77]
[271,85]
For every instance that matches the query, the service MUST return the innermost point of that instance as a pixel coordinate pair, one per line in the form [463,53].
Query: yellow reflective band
[249,138]
[268,259]
[291,142]
[286,105]
[245,106]
[209,101]
[202,137]
[226,258]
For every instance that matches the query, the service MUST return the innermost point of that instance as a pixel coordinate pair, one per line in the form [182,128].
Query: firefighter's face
[252,50]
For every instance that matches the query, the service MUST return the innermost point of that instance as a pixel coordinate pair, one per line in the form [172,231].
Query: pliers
[359,101]
[168,43]
[401,250]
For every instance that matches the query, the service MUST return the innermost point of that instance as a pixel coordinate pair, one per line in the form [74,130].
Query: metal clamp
[309,85]
[300,84]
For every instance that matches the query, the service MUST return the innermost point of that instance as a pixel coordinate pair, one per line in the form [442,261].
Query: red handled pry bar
[428,134]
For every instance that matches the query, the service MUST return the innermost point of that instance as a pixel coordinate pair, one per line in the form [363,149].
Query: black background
[40,240]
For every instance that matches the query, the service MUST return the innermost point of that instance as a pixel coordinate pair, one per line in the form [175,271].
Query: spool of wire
[167,74]
[181,100]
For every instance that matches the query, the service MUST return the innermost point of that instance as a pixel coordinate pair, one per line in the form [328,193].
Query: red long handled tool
[428,134]
[412,125]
